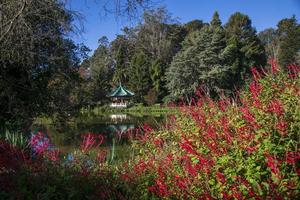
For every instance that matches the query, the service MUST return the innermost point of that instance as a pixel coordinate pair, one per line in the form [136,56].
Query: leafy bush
[227,149]
[243,149]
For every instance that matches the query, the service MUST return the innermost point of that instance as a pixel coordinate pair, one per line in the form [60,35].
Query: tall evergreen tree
[244,49]
[101,70]
[289,41]
[157,74]
[215,22]
[201,61]
[139,80]
[121,71]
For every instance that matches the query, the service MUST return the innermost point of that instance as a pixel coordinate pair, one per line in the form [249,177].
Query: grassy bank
[136,110]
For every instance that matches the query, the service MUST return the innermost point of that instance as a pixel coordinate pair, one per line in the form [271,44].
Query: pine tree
[182,76]
[201,61]
[157,74]
[289,41]
[120,74]
[215,22]
[244,49]
[101,70]
[139,80]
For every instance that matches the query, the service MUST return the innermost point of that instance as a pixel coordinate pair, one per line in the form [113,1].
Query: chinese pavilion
[120,97]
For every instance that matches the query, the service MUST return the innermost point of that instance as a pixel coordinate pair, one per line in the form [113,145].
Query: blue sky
[263,13]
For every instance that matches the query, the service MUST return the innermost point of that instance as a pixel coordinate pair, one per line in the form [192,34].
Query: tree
[139,80]
[152,35]
[215,22]
[269,39]
[157,73]
[101,65]
[36,57]
[121,71]
[199,62]
[194,25]
[244,49]
[289,41]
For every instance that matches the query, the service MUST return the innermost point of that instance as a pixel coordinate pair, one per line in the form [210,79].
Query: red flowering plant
[227,149]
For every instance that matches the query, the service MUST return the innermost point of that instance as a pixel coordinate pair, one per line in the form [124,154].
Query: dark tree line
[161,59]
[39,64]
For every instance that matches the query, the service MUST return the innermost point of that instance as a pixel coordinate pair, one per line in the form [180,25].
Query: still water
[114,128]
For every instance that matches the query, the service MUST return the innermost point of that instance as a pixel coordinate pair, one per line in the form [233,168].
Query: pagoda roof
[121,92]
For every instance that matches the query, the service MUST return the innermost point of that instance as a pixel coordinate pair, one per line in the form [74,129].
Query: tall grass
[16,139]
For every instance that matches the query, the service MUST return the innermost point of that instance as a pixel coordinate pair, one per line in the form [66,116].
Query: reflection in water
[112,128]
[118,117]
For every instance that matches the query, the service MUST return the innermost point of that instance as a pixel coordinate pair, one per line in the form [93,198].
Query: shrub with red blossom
[226,149]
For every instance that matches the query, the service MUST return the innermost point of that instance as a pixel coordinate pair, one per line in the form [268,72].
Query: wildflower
[101,156]
[223,104]
[272,163]
[221,178]
[255,89]
[247,115]
[292,157]
[91,140]
[274,66]
[281,126]
[140,167]
[53,155]
[257,103]
[181,182]
[158,142]
[250,149]
[39,143]
[147,128]
[188,147]
[162,188]
[293,70]
[255,73]
[276,107]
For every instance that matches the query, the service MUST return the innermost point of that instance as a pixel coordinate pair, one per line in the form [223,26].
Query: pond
[114,128]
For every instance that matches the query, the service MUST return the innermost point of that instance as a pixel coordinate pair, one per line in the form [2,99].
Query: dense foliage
[184,57]
[212,150]
[226,149]
[37,61]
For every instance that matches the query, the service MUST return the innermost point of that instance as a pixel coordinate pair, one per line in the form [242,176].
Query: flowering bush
[227,149]
[48,176]
[242,149]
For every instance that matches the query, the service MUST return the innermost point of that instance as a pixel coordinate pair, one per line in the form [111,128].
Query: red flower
[255,88]
[188,147]
[248,116]
[223,104]
[293,70]
[272,163]
[158,142]
[147,128]
[221,178]
[91,140]
[53,155]
[276,107]
[292,157]
[274,66]
[255,73]
[140,167]
[101,156]
[250,149]
[281,126]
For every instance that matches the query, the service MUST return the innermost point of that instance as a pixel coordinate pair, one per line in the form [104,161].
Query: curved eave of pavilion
[121,92]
